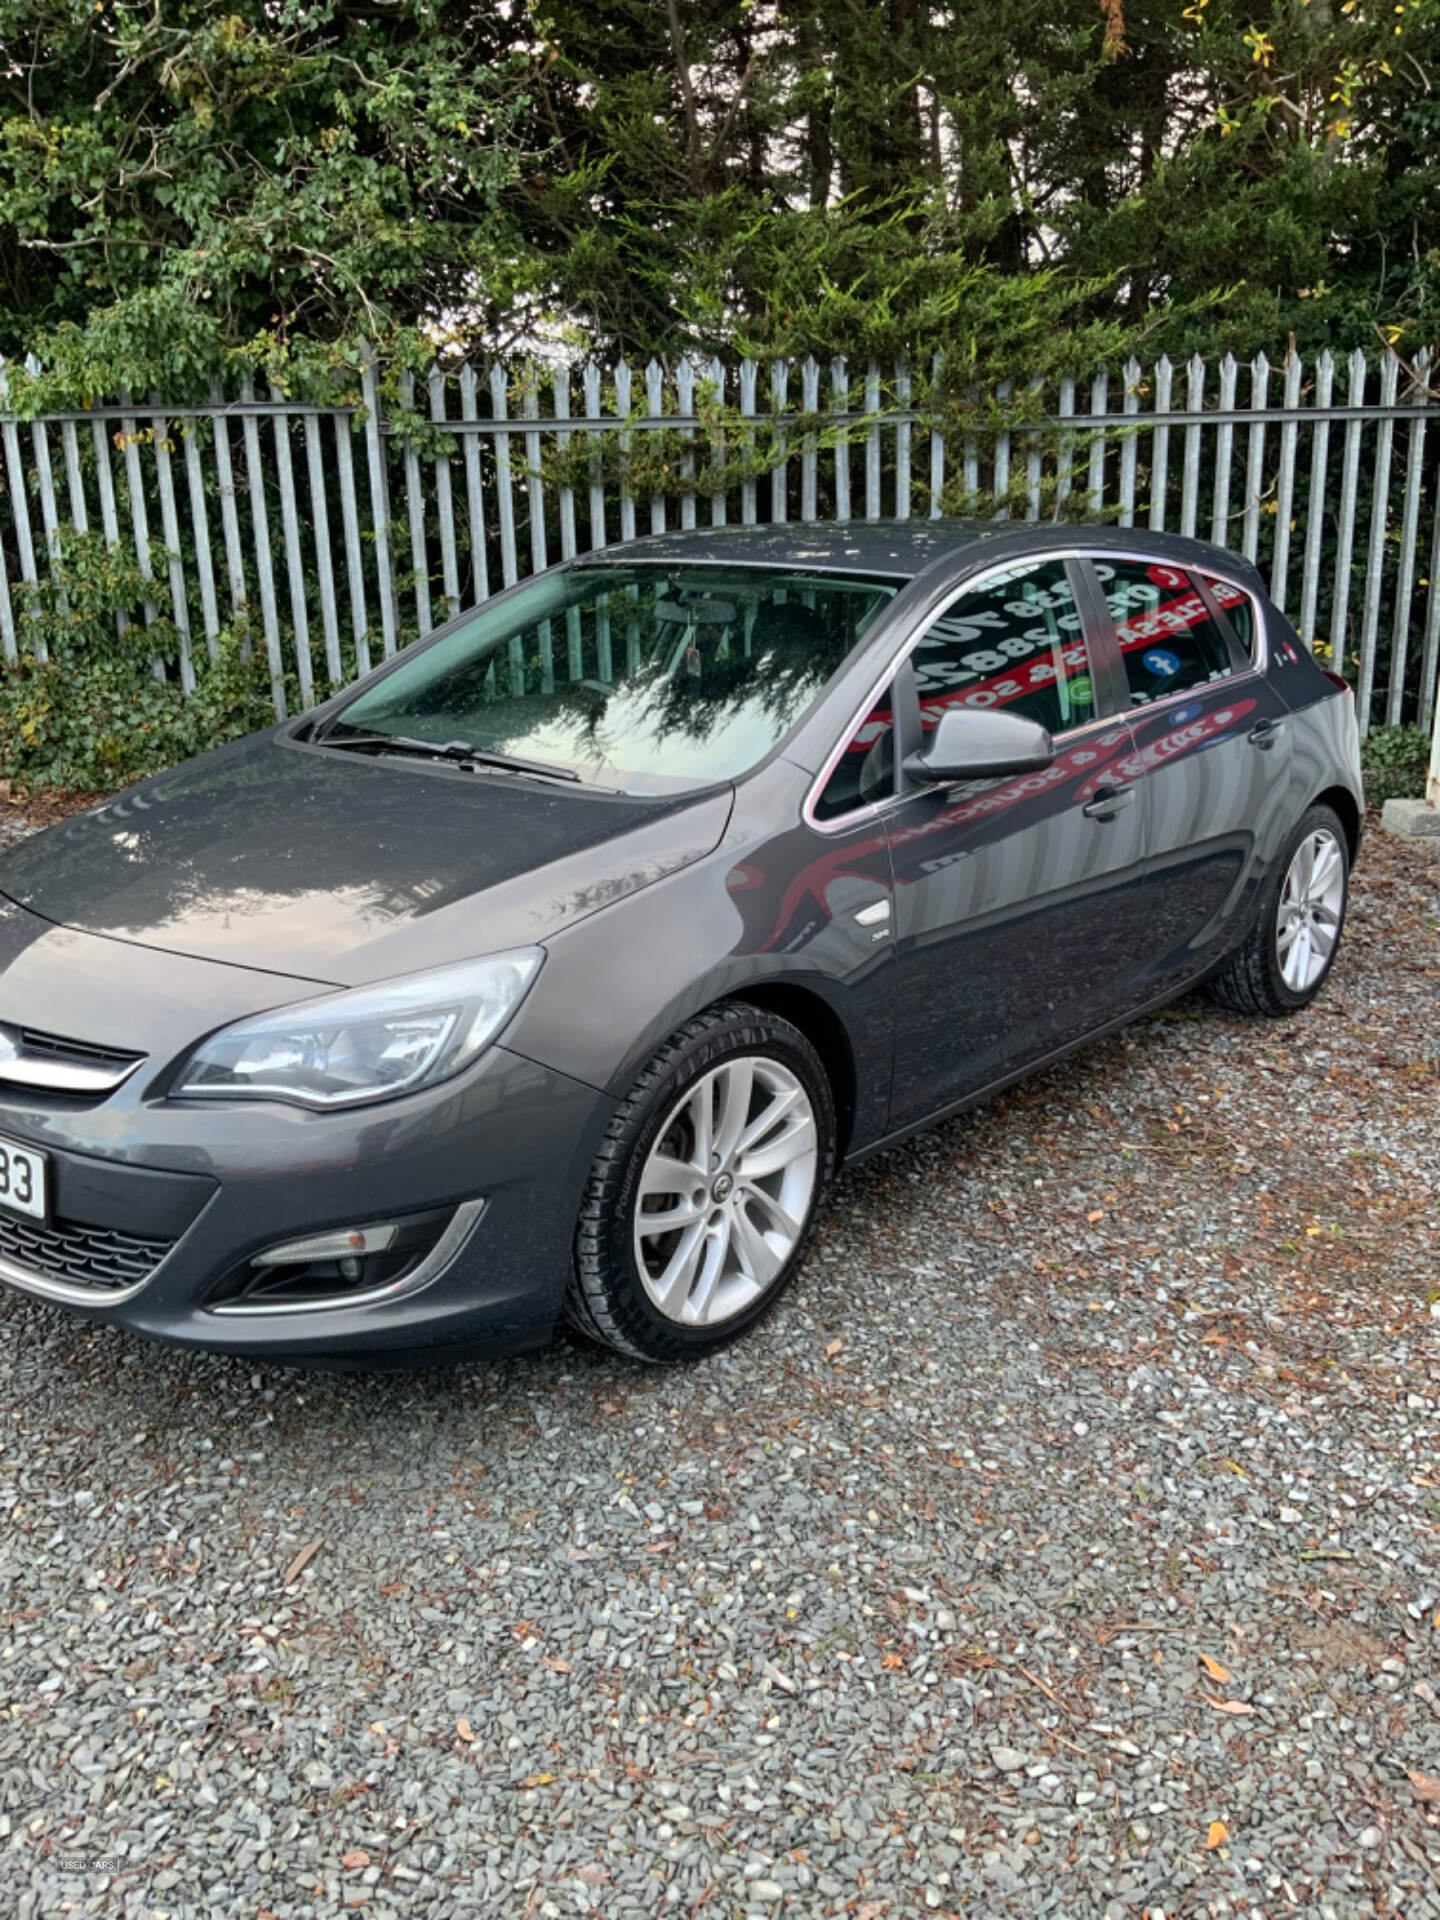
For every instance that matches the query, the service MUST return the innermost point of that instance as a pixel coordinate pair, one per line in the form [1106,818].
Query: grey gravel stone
[1138,1372]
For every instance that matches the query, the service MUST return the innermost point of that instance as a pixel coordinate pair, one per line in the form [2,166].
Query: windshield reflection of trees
[230,835]
[681,679]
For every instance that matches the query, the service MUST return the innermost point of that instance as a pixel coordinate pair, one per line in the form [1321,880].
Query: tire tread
[1247,979]
[593,1305]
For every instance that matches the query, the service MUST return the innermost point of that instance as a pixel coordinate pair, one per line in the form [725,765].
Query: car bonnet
[344,868]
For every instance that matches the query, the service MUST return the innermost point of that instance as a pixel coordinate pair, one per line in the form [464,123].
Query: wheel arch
[1341,801]
[825,1031]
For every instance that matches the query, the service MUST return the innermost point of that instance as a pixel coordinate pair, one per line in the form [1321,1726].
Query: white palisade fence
[337,538]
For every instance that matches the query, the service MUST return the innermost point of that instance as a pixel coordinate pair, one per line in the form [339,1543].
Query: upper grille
[51,1046]
[51,1063]
[95,1257]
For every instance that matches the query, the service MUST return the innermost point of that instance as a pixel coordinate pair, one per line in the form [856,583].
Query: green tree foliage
[182,181]
[182,178]
[83,705]
[1396,761]
[825,172]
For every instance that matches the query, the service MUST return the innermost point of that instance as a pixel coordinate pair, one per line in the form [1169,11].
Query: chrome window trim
[907,646]
[444,1252]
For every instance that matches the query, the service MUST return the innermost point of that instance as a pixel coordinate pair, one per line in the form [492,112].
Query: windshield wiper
[459,751]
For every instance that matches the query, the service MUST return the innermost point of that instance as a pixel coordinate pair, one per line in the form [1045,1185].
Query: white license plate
[22,1179]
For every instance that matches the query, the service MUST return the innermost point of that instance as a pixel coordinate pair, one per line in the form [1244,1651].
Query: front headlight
[368,1044]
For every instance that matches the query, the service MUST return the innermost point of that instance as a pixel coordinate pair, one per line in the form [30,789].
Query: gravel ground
[1067,1543]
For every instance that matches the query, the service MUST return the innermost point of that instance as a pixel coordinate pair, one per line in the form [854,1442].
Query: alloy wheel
[726,1190]
[1312,902]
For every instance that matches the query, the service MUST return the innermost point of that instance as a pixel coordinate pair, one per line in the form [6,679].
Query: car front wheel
[703,1198]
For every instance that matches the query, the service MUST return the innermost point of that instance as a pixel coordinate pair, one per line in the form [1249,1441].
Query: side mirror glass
[977,743]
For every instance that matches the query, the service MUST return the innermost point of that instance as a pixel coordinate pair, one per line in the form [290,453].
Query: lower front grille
[96,1258]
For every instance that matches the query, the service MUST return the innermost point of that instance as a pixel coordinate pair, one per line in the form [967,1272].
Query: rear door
[1211,754]
[1019,902]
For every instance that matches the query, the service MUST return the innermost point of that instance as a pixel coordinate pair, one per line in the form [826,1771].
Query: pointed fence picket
[493,473]
[1409,534]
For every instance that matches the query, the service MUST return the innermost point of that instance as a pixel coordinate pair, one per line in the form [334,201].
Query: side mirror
[977,743]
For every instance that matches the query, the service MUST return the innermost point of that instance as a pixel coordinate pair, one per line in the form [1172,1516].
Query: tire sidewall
[1314,819]
[742,1031]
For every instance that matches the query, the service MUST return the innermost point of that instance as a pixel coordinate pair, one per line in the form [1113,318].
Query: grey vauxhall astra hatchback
[551,971]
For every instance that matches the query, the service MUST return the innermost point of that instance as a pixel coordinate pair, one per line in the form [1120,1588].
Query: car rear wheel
[1292,946]
[703,1198]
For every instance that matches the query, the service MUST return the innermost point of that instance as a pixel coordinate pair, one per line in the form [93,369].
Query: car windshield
[647,678]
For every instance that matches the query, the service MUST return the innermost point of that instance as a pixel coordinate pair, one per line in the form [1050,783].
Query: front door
[1212,755]
[1019,902]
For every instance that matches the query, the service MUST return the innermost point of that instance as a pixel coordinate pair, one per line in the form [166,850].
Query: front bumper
[208,1186]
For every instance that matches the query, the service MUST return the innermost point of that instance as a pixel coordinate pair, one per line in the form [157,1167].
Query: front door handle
[1264,734]
[1108,802]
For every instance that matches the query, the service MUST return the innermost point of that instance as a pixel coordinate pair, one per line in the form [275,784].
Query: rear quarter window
[1239,610]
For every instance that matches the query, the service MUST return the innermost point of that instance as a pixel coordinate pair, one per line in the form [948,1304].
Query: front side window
[865,772]
[650,679]
[1170,640]
[1016,643]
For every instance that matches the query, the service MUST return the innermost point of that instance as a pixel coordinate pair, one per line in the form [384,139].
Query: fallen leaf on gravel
[462,1727]
[1217,1836]
[893,1660]
[1426,1786]
[834,1348]
[538,1779]
[1214,1668]
[1228,1706]
[355,1859]
[302,1560]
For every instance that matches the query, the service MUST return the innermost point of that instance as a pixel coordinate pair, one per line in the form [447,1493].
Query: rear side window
[1015,643]
[865,772]
[1169,639]
[1239,610]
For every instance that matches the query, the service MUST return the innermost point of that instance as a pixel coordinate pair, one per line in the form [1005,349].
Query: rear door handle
[1108,802]
[1264,734]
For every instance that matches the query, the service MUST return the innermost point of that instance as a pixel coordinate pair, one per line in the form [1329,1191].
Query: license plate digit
[22,1180]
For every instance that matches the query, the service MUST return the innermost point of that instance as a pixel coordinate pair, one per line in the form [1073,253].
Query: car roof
[901,549]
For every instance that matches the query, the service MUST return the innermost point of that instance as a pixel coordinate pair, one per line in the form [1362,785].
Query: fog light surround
[348,1266]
